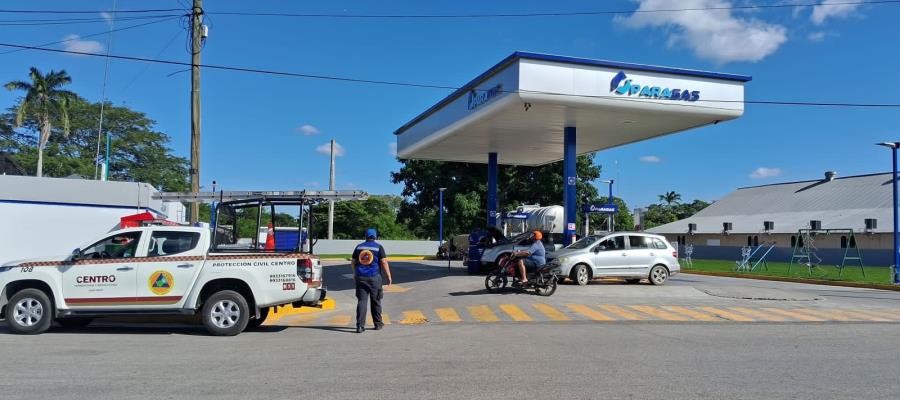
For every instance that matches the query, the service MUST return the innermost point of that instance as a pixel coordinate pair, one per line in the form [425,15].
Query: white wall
[409,247]
[37,230]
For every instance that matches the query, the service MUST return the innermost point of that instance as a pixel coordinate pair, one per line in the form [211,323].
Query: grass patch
[823,272]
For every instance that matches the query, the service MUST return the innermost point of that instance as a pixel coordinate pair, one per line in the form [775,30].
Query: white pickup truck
[156,270]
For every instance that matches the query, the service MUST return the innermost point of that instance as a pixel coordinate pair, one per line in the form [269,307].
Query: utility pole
[197,35]
[331,202]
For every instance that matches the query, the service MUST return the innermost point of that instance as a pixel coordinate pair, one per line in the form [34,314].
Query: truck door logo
[161,282]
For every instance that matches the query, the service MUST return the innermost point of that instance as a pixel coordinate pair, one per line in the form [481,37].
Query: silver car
[630,255]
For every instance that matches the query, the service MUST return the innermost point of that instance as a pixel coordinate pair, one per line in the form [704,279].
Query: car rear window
[659,244]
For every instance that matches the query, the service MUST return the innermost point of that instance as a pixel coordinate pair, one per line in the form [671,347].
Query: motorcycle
[544,280]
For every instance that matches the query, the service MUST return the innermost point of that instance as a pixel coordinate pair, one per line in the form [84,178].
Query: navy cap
[371,233]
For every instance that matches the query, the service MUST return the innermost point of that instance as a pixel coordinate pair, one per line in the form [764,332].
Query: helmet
[538,235]
[371,233]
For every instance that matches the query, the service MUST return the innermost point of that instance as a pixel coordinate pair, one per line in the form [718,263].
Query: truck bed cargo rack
[303,196]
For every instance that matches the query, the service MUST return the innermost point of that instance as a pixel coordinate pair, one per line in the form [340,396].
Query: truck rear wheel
[225,313]
[256,322]
[29,312]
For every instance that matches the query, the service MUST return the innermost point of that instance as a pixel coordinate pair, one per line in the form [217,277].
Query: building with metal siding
[838,202]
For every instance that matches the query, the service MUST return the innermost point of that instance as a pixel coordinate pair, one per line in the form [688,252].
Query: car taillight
[675,254]
[304,269]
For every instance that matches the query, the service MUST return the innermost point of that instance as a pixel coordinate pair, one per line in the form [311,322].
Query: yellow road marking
[414,317]
[515,312]
[447,315]
[551,312]
[340,320]
[759,314]
[621,312]
[692,313]
[650,310]
[795,315]
[827,314]
[396,289]
[293,320]
[866,315]
[483,314]
[385,319]
[726,314]
[589,312]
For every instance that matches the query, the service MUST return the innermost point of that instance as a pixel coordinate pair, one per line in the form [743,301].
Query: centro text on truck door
[103,277]
[173,262]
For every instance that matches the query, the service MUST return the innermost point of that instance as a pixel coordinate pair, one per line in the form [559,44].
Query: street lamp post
[893,146]
[612,217]
[441,224]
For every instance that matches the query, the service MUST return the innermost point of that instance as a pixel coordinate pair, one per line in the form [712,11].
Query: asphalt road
[577,358]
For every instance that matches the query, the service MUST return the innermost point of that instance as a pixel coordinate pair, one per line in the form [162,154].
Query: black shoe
[360,329]
[378,327]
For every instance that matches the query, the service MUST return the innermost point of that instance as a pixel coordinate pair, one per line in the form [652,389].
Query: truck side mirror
[76,254]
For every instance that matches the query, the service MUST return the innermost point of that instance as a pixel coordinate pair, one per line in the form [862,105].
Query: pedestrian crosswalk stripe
[385,319]
[589,312]
[827,314]
[650,310]
[700,316]
[621,312]
[759,314]
[865,316]
[551,312]
[447,315]
[340,320]
[295,319]
[727,314]
[515,312]
[414,317]
[795,315]
[483,314]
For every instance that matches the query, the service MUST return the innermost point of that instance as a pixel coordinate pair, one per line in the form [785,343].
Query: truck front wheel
[29,312]
[225,313]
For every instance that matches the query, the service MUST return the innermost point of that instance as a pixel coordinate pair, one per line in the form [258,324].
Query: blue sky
[262,132]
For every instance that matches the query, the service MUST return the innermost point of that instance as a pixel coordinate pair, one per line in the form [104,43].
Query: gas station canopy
[519,108]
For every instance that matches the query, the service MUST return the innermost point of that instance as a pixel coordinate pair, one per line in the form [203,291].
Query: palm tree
[45,101]
[670,198]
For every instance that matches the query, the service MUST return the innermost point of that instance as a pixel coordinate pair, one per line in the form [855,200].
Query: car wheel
[29,312]
[632,281]
[256,322]
[74,323]
[225,313]
[580,275]
[659,275]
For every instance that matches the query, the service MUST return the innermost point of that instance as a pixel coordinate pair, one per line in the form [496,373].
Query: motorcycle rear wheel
[494,281]
[547,289]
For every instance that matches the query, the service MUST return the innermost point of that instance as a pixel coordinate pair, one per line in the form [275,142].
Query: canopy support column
[493,171]
[569,183]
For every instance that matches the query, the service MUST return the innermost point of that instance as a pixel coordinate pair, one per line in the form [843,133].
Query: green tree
[657,215]
[138,152]
[670,198]
[465,199]
[47,102]
[351,218]
[686,210]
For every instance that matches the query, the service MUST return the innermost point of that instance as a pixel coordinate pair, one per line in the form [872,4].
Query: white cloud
[763,172]
[308,130]
[73,42]
[326,149]
[816,36]
[392,149]
[108,17]
[716,35]
[832,9]
[651,159]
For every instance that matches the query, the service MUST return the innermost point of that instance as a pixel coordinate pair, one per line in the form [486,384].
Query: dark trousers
[368,290]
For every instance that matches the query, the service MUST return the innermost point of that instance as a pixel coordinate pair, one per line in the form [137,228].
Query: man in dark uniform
[368,263]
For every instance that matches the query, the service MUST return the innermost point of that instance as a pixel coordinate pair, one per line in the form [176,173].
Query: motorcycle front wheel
[494,281]
[547,289]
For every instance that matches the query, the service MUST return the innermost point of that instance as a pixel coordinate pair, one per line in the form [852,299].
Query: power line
[88,11]
[93,34]
[446,87]
[75,21]
[555,14]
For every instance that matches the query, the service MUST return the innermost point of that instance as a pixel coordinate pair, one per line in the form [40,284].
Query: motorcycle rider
[532,258]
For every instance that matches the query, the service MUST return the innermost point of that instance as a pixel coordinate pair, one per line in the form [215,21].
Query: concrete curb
[861,285]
